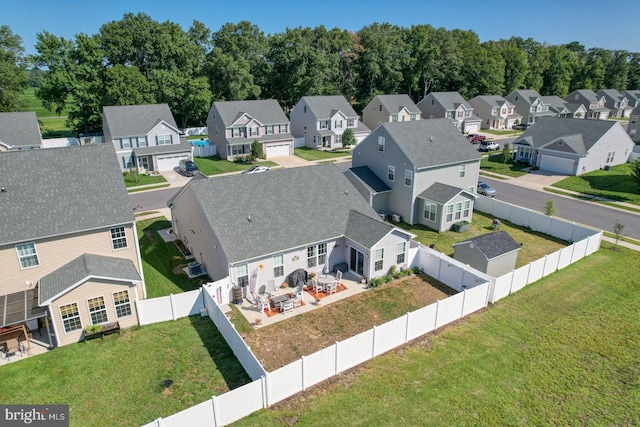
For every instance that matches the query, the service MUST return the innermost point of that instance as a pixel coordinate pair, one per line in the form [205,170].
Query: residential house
[390,108]
[593,102]
[272,224]
[530,105]
[321,120]
[633,96]
[68,244]
[492,253]
[450,105]
[144,136]
[616,102]
[234,125]
[19,131]
[573,146]
[422,172]
[562,108]
[633,127]
[495,112]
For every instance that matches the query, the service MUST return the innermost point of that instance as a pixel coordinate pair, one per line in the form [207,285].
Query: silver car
[485,189]
[256,169]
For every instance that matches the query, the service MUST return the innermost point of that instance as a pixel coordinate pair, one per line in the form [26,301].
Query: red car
[474,138]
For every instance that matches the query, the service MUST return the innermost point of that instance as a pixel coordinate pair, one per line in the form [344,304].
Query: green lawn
[119,381]
[214,165]
[502,132]
[615,184]
[562,351]
[493,163]
[534,245]
[51,124]
[153,187]
[142,179]
[162,262]
[311,154]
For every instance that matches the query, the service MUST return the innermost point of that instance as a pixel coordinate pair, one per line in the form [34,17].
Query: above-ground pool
[200,142]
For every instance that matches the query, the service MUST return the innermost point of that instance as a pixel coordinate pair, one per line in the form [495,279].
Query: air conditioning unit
[396,218]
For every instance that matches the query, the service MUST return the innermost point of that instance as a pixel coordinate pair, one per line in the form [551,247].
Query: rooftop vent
[3,190]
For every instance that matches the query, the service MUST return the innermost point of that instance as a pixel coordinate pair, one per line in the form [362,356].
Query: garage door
[472,127]
[557,165]
[167,163]
[277,150]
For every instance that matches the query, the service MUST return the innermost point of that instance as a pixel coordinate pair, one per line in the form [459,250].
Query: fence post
[263,388]
[435,324]
[303,372]
[464,298]
[406,330]
[573,250]
[336,358]
[266,389]
[140,315]
[173,308]
[529,273]
[214,408]
[373,344]
[158,422]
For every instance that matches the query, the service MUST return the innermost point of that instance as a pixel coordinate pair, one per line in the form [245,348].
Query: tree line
[138,60]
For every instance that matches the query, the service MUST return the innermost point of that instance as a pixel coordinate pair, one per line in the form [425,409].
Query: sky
[608,25]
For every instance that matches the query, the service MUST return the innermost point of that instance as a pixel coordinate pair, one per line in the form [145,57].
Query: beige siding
[80,296]
[53,253]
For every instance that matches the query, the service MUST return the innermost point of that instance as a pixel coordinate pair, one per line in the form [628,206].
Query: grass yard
[119,381]
[214,165]
[311,154]
[493,163]
[534,245]
[502,132]
[142,179]
[153,187]
[615,184]
[51,124]
[162,262]
[562,351]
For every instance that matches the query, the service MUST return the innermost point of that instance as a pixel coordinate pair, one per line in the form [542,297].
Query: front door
[143,162]
[356,261]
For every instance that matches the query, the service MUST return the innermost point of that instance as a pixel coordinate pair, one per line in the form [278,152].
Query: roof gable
[442,193]
[493,245]
[136,120]
[20,130]
[265,111]
[325,107]
[395,103]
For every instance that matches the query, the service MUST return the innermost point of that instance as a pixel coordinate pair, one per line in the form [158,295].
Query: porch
[30,343]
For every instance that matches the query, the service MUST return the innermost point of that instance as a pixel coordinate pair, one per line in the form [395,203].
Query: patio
[39,345]
[251,312]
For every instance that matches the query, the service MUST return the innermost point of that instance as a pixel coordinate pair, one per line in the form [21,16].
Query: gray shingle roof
[492,100]
[548,129]
[20,129]
[394,103]
[266,111]
[611,93]
[493,245]
[432,142]
[440,193]
[269,212]
[556,104]
[528,94]
[370,179]
[326,106]
[136,120]
[366,230]
[82,268]
[587,94]
[163,149]
[451,100]
[60,190]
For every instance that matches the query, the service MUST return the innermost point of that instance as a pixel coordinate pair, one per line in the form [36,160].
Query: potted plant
[258,322]
[318,301]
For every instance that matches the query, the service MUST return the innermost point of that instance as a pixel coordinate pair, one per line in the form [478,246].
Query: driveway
[174,178]
[537,180]
[290,161]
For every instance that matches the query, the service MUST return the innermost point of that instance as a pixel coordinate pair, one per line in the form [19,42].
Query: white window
[413,117]
[283,128]
[338,139]
[126,143]
[253,130]
[322,253]
[449,213]
[610,156]
[402,247]
[270,129]
[27,255]
[379,259]
[70,317]
[381,144]
[118,238]
[408,177]
[316,255]
[235,132]
[351,123]
[394,118]
[236,150]
[324,124]
[122,304]
[142,141]
[164,139]
[97,310]
[463,170]
[338,124]
[458,210]
[278,265]
[391,173]
[467,209]
[430,210]
[633,120]
[242,273]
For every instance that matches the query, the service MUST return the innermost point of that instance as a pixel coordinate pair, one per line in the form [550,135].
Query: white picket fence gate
[476,291]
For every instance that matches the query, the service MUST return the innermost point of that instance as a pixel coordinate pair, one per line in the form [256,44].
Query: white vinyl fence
[202,130]
[476,290]
[209,150]
[171,307]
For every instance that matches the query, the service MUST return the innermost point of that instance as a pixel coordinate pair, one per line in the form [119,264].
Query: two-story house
[495,112]
[68,244]
[616,102]
[144,136]
[321,121]
[593,102]
[19,131]
[390,109]
[562,108]
[423,172]
[450,105]
[633,127]
[633,96]
[530,105]
[234,125]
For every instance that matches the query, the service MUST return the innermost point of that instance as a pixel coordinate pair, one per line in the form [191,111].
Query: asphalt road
[588,213]
[151,200]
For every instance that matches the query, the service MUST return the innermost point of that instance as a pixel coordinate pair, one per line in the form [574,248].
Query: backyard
[214,165]
[51,124]
[562,351]
[311,154]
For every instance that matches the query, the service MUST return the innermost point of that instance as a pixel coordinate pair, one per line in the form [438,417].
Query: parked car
[488,146]
[485,189]
[474,138]
[188,168]
[256,169]
[522,126]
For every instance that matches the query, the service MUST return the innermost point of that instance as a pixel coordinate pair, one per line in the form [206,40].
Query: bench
[106,329]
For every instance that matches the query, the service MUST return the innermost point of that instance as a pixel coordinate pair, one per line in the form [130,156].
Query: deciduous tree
[13,80]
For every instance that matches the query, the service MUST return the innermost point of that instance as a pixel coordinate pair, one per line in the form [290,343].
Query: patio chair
[263,292]
[272,288]
[317,287]
[297,299]
[331,288]
[262,304]
[12,347]
[286,305]
[339,276]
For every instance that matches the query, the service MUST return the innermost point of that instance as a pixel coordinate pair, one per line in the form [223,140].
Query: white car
[256,169]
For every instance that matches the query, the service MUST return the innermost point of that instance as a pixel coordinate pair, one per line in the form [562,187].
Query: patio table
[325,279]
[275,301]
